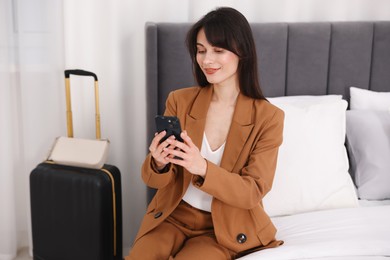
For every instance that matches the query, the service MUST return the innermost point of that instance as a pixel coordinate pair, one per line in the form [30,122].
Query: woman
[209,202]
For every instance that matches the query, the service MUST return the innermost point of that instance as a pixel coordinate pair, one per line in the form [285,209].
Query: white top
[194,196]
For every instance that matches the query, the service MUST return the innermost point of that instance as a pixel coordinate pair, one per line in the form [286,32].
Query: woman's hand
[157,151]
[191,159]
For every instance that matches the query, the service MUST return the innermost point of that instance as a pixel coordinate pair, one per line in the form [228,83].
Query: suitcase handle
[69,118]
[80,73]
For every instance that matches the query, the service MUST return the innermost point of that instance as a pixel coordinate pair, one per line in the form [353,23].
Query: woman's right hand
[157,150]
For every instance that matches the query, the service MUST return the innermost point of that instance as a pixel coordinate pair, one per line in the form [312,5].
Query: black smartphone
[171,124]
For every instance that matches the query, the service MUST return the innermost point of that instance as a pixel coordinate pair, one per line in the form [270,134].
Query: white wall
[107,37]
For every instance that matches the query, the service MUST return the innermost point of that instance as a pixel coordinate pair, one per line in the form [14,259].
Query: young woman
[209,202]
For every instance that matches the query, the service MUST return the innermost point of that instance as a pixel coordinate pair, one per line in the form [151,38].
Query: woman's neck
[225,94]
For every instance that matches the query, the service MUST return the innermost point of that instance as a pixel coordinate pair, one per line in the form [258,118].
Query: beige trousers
[187,234]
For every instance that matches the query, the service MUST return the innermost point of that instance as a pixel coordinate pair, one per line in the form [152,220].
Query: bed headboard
[294,59]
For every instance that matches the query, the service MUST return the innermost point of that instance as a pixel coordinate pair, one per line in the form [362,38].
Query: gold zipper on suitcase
[113,205]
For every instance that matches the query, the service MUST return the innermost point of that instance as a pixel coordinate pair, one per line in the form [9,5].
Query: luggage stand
[76,213]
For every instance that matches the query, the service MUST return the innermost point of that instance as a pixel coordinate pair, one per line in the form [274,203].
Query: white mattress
[361,233]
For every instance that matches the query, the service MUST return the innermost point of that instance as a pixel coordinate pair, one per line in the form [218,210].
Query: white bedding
[361,233]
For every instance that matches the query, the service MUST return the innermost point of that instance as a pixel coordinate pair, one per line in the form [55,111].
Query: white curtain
[41,38]
[31,62]
[7,196]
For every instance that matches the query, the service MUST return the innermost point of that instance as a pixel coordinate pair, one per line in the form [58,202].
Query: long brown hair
[227,28]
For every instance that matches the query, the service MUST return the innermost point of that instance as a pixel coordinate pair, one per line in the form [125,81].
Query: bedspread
[349,233]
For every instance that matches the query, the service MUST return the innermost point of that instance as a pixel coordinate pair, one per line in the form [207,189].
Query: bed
[331,194]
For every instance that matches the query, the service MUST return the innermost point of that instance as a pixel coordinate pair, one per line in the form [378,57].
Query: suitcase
[76,213]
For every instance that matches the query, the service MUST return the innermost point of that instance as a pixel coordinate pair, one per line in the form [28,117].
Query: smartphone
[170,124]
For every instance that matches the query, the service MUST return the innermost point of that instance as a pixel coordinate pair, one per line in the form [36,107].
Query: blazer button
[158,214]
[241,238]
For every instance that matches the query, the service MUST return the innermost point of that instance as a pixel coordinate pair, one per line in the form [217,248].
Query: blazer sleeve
[150,175]
[246,188]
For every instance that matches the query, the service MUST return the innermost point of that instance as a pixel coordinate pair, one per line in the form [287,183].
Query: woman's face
[218,65]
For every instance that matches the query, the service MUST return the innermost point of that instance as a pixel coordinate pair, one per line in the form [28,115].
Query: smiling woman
[300,63]
[208,203]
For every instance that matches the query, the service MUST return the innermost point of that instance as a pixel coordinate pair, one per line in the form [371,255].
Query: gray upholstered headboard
[294,59]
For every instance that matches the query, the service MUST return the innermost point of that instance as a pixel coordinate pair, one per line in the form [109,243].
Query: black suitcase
[76,213]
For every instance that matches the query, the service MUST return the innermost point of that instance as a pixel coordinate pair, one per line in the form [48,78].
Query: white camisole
[194,196]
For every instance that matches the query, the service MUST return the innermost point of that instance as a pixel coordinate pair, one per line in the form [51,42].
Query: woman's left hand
[191,159]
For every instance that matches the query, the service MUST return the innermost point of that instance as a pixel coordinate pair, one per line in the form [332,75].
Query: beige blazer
[238,185]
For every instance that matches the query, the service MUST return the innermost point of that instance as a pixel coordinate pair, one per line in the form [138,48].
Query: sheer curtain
[40,38]
[31,65]
[7,198]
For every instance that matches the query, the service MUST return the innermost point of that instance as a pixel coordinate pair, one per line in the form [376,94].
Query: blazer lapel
[239,132]
[195,122]
[196,118]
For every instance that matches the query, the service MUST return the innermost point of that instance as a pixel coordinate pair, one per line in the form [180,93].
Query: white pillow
[312,170]
[304,100]
[363,99]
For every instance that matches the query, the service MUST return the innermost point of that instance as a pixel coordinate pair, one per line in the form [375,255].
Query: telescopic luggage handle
[80,73]
[69,105]
[80,152]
